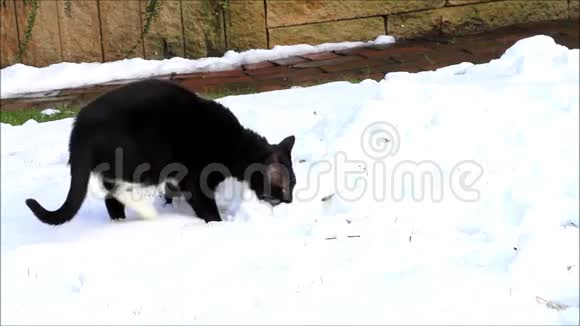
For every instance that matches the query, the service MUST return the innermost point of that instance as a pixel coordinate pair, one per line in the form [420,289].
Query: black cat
[158,133]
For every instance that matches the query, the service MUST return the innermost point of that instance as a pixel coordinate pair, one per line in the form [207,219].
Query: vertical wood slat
[246,25]
[121,29]
[80,35]
[165,36]
[8,33]
[83,36]
[203,29]
[44,45]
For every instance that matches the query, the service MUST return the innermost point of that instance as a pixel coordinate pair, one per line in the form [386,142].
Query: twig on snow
[325,198]
[550,304]
[348,236]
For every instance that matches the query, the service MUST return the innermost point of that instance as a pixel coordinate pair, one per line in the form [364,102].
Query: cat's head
[276,181]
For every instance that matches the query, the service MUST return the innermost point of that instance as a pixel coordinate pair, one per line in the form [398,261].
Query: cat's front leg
[203,205]
[205,208]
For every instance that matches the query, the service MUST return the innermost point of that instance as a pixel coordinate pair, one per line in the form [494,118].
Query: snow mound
[442,197]
[49,112]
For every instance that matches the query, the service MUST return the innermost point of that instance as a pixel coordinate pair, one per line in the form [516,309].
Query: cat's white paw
[140,205]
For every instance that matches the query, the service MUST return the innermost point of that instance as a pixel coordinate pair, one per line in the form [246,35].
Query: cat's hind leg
[126,197]
[115,208]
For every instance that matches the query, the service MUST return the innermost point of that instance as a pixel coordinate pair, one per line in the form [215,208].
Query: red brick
[320,56]
[206,74]
[267,71]
[306,75]
[289,74]
[88,89]
[350,51]
[369,53]
[289,61]
[359,65]
[259,65]
[200,82]
[375,47]
[320,63]
[193,84]
[280,73]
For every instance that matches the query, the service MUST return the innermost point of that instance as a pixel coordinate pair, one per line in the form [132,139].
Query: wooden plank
[79,31]
[121,29]
[165,36]
[43,47]
[299,12]
[246,25]
[8,34]
[203,26]
[344,30]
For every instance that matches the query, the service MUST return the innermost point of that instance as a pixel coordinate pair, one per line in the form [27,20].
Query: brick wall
[105,30]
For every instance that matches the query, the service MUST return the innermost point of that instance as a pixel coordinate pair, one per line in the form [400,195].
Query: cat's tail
[80,170]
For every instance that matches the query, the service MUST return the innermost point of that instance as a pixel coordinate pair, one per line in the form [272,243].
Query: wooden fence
[42,32]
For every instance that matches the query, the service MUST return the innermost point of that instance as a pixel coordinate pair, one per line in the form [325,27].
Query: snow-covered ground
[19,78]
[494,239]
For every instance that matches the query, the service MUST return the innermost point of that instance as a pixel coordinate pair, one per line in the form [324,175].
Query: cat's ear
[287,143]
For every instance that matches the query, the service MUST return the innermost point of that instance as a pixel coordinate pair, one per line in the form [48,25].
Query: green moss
[228,92]
[30,20]
[68,8]
[151,12]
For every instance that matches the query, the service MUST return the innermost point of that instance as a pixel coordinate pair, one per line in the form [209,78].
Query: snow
[19,78]
[494,238]
[49,112]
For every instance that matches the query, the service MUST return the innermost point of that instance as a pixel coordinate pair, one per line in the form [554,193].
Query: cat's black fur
[161,123]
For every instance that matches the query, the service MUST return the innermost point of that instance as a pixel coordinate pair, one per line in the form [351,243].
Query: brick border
[352,64]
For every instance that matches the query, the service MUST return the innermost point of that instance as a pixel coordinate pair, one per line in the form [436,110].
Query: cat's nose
[286,197]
